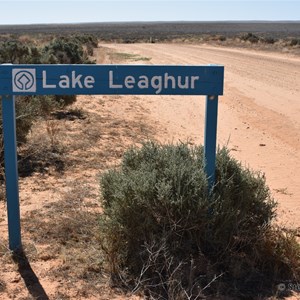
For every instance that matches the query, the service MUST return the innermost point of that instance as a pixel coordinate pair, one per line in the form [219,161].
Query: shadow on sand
[30,279]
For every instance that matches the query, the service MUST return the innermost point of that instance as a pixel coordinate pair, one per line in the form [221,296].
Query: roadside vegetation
[164,234]
[76,49]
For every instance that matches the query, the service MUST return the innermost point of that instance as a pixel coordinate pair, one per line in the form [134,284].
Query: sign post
[210,138]
[11,171]
[101,80]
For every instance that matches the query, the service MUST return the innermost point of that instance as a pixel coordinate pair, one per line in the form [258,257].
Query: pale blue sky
[72,11]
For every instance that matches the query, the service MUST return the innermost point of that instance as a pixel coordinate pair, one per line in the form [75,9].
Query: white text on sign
[156,82]
[73,81]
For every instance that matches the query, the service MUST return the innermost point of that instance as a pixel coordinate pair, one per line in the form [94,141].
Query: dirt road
[258,115]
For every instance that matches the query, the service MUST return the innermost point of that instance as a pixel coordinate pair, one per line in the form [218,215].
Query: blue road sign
[101,80]
[110,79]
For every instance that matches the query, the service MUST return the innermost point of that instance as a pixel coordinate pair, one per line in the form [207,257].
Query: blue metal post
[210,138]
[11,171]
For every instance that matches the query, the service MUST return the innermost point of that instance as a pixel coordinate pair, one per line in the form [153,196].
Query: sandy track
[258,115]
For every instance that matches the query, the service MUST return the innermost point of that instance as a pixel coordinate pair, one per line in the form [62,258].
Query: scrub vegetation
[163,232]
[274,36]
[64,50]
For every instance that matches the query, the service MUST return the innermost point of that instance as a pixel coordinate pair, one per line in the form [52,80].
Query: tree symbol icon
[24,80]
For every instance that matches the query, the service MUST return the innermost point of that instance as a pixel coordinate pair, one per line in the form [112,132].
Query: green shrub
[87,39]
[222,38]
[252,38]
[66,51]
[269,40]
[162,231]
[13,51]
[295,42]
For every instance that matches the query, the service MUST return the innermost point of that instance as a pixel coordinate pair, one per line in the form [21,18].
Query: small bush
[269,40]
[252,38]
[66,51]
[222,38]
[163,232]
[87,39]
[13,51]
[294,42]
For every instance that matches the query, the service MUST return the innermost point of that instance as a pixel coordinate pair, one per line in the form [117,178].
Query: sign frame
[101,80]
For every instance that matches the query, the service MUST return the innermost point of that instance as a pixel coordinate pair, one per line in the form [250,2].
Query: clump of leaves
[13,51]
[251,37]
[269,40]
[65,51]
[163,231]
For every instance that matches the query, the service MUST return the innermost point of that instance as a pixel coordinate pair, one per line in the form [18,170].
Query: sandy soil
[258,114]
[258,119]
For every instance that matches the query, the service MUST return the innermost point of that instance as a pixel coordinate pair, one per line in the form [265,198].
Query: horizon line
[152,22]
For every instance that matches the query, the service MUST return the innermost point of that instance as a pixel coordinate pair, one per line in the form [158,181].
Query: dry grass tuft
[121,56]
[69,231]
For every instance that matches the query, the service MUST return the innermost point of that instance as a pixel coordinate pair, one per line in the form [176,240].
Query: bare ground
[258,119]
